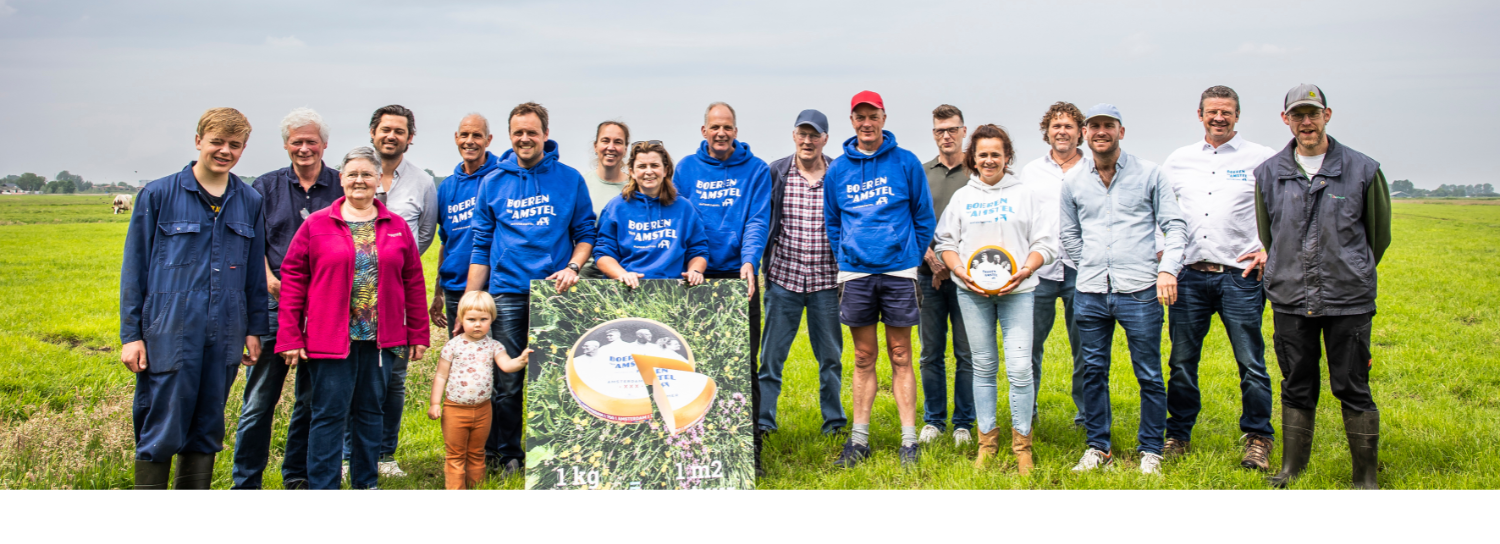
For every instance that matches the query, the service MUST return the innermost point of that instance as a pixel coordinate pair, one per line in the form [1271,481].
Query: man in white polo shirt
[1214,179]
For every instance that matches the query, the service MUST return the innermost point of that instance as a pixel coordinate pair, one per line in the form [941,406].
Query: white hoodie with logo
[1006,214]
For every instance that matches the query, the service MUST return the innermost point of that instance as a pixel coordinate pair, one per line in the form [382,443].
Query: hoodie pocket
[874,246]
[518,266]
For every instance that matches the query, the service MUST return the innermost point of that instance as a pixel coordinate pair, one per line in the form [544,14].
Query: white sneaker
[1093,459]
[961,437]
[390,469]
[1150,463]
[929,433]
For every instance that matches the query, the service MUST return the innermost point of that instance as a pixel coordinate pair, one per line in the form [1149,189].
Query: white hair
[299,118]
[361,153]
[482,120]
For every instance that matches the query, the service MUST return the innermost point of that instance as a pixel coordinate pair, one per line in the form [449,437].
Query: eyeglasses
[1304,115]
[646,143]
[949,131]
[366,176]
[806,136]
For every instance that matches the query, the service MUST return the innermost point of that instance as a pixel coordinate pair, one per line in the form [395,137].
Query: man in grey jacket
[1324,215]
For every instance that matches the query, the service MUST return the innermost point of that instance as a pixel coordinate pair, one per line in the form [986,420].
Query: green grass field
[65,398]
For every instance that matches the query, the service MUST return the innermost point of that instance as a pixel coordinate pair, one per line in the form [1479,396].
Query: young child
[463,372]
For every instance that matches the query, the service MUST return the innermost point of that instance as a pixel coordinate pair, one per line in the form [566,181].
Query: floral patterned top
[471,372]
[362,301]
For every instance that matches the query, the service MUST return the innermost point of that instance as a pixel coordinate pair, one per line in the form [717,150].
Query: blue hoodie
[457,196]
[649,238]
[733,198]
[529,219]
[877,208]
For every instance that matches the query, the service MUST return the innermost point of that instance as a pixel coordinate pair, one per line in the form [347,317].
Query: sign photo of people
[644,388]
[990,267]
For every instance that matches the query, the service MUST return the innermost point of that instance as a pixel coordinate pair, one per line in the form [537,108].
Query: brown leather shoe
[989,446]
[1175,447]
[1257,452]
[1021,445]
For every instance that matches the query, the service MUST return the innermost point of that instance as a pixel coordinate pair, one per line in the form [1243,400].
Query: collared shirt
[413,196]
[802,262]
[943,182]
[1110,231]
[1216,191]
[285,204]
[1045,177]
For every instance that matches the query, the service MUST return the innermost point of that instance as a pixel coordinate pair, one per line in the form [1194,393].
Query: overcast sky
[113,90]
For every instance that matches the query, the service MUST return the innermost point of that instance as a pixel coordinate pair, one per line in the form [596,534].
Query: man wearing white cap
[1110,212]
[1324,213]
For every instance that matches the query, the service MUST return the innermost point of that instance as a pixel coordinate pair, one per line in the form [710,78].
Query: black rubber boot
[194,471]
[152,475]
[1363,431]
[1296,444]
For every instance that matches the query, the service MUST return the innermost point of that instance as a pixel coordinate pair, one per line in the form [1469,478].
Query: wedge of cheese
[612,386]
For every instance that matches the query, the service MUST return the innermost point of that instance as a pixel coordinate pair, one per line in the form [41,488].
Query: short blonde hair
[476,300]
[225,122]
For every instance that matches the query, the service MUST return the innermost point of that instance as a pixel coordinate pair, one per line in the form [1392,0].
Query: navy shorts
[880,298]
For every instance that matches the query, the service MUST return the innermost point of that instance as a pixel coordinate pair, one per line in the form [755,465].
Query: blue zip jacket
[190,281]
[733,198]
[457,196]
[649,238]
[877,208]
[528,220]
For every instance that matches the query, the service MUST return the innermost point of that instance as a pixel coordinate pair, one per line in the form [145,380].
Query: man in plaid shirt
[801,274]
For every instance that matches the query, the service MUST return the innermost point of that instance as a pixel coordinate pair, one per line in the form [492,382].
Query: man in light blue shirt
[1111,208]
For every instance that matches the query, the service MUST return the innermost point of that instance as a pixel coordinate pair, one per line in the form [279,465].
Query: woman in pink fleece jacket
[352,297]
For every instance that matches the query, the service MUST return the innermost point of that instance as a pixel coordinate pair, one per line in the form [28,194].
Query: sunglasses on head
[646,143]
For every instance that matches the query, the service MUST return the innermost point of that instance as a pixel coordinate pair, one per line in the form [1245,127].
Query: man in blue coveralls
[192,303]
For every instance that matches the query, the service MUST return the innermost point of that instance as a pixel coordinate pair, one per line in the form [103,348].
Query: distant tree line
[1412,191]
[64,183]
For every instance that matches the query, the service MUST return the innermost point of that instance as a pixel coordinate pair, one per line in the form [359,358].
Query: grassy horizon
[65,398]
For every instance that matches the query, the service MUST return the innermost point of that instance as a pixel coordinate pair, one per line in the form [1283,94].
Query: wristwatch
[574,267]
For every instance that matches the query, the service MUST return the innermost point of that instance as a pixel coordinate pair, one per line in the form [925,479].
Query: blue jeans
[252,442]
[783,318]
[939,308]
[1141,316]
[1014,314]
[1047,294]
[395,401]
[1240,303]
[346,391]
[507,417]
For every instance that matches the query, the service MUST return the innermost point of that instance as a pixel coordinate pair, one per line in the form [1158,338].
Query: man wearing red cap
[878,213]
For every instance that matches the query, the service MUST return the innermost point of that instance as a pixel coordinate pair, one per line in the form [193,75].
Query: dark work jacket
[1323,236]
[778,194]
[282,202]
[190,280]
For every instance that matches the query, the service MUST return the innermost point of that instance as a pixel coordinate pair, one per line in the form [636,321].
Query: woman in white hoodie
[995,209]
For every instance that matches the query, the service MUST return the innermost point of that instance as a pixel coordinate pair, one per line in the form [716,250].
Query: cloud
[289,41]
[1137,45]
[5,8]
[1266,49]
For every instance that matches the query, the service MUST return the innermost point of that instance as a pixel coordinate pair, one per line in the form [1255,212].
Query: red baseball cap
[866,97]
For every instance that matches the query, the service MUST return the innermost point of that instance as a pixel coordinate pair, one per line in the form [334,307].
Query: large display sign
[645,388]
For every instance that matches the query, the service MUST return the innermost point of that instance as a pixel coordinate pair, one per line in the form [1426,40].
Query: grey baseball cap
[1305,94]
[1103,110]
[813,118]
